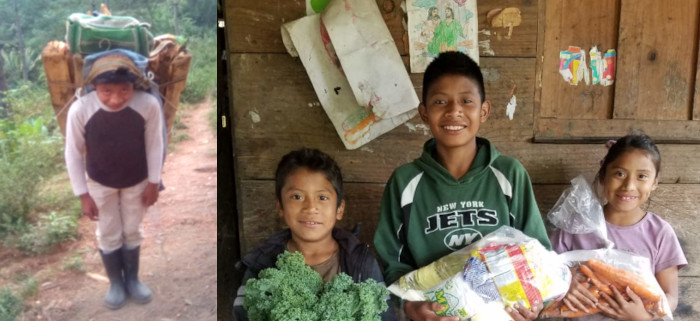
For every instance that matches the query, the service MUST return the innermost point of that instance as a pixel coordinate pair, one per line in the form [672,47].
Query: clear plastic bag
[603,268]
[504,268]
[578,211]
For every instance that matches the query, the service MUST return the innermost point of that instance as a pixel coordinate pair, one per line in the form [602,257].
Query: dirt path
[178,256]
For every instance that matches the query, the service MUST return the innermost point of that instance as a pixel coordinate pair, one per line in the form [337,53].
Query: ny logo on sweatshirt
[460,223]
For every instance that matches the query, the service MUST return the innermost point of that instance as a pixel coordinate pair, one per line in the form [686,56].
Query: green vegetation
[28,287]
[293,291]
[28,155]
[51,229]
[10,305]
[31,153]
[73,262]
[201,79]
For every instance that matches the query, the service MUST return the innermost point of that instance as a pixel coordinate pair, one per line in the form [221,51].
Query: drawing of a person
[428,28]
[446,35]
[433,18]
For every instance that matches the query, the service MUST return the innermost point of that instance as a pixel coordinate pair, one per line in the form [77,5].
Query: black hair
[313,160]
[452,13]
[633,141]
[453,63]
[430,13]
[120,75]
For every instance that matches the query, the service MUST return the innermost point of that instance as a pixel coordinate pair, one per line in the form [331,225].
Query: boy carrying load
[114,135]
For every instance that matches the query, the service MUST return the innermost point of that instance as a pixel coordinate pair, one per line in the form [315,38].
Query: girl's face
[628,181]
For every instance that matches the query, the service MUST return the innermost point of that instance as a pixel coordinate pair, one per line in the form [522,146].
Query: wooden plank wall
[275,110]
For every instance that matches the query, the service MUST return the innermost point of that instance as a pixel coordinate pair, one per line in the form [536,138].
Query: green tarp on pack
[88,34]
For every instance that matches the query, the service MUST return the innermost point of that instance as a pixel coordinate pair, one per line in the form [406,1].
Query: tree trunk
[3,83]
[20,39]
[176,14]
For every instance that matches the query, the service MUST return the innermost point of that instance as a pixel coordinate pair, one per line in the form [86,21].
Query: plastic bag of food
[578,211]
[504,268]
[600,269]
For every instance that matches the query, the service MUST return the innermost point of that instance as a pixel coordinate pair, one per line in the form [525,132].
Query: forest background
[37,208]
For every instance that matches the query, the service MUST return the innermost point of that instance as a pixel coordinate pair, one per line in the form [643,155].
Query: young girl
[628,174]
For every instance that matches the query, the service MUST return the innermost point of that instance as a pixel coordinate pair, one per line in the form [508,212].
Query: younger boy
[309,190]
[459,190]
[114,134]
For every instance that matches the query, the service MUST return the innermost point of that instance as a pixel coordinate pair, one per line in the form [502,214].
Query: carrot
[559,309]
[622,279]
[594,279]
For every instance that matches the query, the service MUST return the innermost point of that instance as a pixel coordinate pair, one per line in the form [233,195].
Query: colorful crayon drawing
[572,65]
[603,66]
[358,124]
[441,25]
[608,68]
[596,64]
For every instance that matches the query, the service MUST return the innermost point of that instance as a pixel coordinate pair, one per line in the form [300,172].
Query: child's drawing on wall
[428,27]
[441,25]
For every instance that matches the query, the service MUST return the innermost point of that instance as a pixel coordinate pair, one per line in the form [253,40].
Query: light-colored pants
[120,213]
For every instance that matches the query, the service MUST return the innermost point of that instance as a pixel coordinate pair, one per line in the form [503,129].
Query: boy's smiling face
[114,95]
[454,111]
[309,206]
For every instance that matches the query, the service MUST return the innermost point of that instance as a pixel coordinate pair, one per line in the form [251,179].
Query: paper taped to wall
[355,69]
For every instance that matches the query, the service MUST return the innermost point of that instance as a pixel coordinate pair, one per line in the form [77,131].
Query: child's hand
[579,297]
[620,309]
[425,311]
[520,313]
[150,194]
[89,207]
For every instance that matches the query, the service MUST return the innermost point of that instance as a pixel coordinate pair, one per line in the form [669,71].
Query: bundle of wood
[598,278]
[168,62]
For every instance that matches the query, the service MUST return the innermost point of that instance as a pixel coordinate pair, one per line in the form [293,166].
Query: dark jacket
[356,260]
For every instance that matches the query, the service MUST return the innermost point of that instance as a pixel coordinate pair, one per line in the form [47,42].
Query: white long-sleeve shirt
[116,148]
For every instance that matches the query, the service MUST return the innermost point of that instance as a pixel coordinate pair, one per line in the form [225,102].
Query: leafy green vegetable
[294,291]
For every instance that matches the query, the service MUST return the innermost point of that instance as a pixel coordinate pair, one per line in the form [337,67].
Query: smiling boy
[459,190]
[309,191]
[114,135]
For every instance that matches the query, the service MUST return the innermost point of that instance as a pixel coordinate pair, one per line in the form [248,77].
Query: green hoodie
[445,214]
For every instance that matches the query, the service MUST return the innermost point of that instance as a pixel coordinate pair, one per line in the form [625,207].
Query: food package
[600,269]
[578,211]
[503,269]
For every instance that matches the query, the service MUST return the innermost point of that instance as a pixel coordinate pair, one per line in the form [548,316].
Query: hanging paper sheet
[435,26]
[572,65]
[355,69]
[603,67]
[608,68]
[596,65]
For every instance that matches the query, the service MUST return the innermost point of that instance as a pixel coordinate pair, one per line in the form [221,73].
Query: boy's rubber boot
[116,296]
[138,291]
